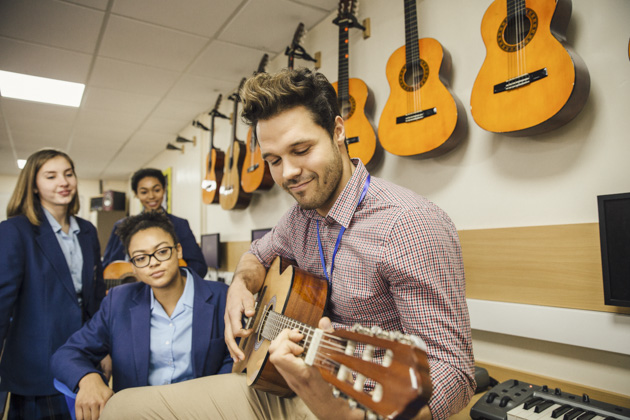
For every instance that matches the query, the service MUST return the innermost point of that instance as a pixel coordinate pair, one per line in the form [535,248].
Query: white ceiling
[150,68]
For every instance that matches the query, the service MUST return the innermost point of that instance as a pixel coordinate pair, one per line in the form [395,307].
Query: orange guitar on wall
[231,195]
[255,174]
[530,81]
[422,117]
[214,162]
[353,96]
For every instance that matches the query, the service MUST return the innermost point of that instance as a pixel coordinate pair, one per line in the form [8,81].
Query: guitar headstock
[263,64]
[348,8]
[217,103]
[298,35]
[403,382]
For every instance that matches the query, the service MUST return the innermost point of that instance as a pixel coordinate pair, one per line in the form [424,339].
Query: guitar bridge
[415,116]
[352,140]
[252,168]
[520,81]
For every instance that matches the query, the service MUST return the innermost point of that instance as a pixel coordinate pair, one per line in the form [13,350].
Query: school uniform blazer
[39,307]
[122,328]
[115,249]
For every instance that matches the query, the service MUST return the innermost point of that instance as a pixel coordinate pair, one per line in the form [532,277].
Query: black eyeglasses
[162,254]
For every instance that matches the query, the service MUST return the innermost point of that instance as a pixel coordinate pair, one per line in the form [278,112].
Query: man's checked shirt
[399,266]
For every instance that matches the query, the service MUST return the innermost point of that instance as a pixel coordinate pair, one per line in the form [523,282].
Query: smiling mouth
[299,187]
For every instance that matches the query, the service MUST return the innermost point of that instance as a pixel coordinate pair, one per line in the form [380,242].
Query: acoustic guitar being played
[293,298]
[214,162]
[255,174]
[353,94]
[421,117]
[231,195]
[530,81]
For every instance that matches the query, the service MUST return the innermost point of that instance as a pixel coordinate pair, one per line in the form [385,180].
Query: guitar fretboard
[412,52]
[273,323]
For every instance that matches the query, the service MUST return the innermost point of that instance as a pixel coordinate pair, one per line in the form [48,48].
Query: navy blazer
[115,251]
[39,308]
[122,328]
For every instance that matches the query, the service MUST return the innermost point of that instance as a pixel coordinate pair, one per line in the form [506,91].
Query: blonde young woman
[50,281]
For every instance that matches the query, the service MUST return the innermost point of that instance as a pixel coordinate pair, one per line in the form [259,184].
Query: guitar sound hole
[416,77]
[517,30]
[347,108]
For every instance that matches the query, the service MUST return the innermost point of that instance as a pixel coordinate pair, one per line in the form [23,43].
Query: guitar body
[214,175]
[231,195]
[117,273]
[294,293]
[360,135]
[431,135]
[255,174]
[544,104]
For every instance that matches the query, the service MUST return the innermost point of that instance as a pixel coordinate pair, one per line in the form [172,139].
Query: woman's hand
[92,396]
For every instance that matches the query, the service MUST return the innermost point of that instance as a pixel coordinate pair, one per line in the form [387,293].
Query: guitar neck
[343,60]
[275,322]
[515,8]
[412,52]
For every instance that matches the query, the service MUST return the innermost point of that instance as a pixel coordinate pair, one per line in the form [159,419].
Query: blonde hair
[24,200]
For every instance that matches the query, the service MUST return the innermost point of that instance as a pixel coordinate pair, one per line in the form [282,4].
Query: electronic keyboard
[517,400]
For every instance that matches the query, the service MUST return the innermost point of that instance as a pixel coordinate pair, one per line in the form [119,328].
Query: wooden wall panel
[557,265]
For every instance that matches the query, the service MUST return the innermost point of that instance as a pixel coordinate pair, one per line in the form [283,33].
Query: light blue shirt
[171,339]
[69,243]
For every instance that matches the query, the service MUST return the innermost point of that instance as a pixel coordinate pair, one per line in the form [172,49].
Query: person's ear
[179,251]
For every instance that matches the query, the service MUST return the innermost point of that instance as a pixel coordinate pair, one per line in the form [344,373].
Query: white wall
[489,180]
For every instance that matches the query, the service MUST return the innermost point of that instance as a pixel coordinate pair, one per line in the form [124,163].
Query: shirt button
[167,342]
[170,325]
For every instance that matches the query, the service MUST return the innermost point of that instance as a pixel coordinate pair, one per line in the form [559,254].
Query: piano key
[560,410]
[587,416]
[573,413]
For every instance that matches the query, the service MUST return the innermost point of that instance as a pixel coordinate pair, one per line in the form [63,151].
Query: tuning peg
[352,403]
[336,393]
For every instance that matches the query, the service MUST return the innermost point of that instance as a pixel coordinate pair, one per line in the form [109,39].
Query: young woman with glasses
[51,281]
[149,186]
[166,328]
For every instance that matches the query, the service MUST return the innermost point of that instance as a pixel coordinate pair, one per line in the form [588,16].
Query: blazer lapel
[88,272]
[141,334]
[203,315]
[49,246]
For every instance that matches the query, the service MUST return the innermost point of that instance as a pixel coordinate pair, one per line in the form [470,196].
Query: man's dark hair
[267,95]
[145,220]
[140,174]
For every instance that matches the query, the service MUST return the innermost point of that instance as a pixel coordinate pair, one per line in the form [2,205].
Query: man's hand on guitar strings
[240,301]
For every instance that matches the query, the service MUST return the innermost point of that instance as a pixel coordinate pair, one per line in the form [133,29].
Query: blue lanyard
[343,229]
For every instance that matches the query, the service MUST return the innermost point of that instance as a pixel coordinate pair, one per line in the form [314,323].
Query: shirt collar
[346,204]
[56,227]
[186,299]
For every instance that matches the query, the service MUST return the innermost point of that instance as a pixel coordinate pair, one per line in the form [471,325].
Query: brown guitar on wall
[530,81]
[255,174]
[214,162]
[421,117]
[353,94]
[231,195]
[292,298]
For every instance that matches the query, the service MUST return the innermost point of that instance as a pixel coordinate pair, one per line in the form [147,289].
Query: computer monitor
[211,249]
[614,235]
[259,233]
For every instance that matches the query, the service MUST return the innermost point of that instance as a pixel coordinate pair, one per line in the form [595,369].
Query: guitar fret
[412,51]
